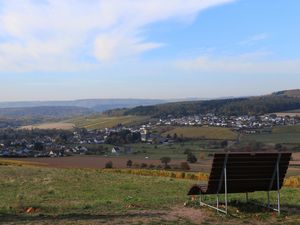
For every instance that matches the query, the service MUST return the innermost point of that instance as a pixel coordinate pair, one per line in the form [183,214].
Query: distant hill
[14,117]
[288,93]
[98,105]
[276,102]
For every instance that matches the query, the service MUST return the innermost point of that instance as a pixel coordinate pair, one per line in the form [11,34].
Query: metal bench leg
[225,181]
[278,189]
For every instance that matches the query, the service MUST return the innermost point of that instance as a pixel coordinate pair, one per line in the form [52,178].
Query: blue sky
[72,49]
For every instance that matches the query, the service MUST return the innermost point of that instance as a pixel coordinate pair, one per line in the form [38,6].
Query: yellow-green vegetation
[57,125]
[6,162]
[162,173]
[203,132]
[33,195]
[101,122]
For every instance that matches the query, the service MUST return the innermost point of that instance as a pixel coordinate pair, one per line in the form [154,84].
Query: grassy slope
[100,122]
[203,132]
[64,195]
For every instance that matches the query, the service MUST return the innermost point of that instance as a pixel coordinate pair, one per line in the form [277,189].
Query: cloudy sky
[74,49]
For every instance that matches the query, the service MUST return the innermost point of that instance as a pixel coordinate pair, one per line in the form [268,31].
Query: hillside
[235,106]
[288,93]
[98,105]
[15,117]
[101,122]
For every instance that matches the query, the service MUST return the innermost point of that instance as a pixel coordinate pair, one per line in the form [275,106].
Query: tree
[165,160]
[109,165]
[129,163]
[191,158]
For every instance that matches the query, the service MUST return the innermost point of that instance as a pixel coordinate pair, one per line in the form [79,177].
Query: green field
[101,122]
[203,132]
[32,195]
[286,134]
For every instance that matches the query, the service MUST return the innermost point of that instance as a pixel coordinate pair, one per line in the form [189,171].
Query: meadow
[57,125]
[217,133]
[101,122]
[36,195]
[285,135]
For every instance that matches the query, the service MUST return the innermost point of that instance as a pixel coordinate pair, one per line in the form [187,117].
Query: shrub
[151,166]
[144,165]
[109,165]
[191,158]
[165,160]
[185,166]
[129,163]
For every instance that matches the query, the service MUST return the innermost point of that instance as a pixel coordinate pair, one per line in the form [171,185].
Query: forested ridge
[235,106]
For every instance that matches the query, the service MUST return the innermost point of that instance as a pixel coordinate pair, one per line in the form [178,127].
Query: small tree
[109,165]
[129,163]
[191,158]
[165,160]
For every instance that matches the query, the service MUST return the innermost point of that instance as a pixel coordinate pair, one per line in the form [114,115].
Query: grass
[203,132]
[285,134]
[57,125]
[101,122]
[88,196]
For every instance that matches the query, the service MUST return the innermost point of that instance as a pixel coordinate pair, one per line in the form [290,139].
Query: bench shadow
[5,218]
[254,206]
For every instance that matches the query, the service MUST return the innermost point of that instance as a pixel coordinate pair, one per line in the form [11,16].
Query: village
[117,140]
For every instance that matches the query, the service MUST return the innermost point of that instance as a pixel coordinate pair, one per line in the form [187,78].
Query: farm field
[98,162]
[35,195]
[58,125]
[287,134]
[203,132]
[101,122]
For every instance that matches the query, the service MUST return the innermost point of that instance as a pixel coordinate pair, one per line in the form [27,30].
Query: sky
[74,49]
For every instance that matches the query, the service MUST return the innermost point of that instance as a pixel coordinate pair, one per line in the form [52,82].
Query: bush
[129,163]
[185,166]
[144,165]
[151,166]
[109,165]
[165,160]
[191,158]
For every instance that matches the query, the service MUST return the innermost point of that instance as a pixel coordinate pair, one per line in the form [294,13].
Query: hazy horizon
[54,50]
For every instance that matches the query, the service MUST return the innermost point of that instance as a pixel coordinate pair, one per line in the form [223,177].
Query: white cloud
[248,63]
[253,39]
[54,34]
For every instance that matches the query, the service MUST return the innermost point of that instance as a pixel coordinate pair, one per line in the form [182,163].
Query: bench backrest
[247,172]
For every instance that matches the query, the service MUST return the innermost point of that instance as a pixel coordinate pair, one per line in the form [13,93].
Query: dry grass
[101,122]
[58,125]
